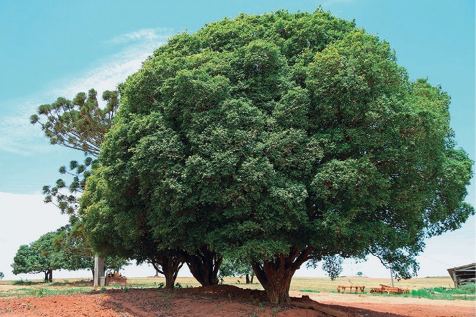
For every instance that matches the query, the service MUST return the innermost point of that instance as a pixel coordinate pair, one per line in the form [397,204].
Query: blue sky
[58,48]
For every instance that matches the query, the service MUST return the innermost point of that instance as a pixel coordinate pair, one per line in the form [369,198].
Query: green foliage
[234,267]
[1,276]
[78,254]
[280,137]
[40,256]
[333,266]
[127,237]
[113,264]
[42,292]
[59,250]
[64,196]
[360,274]
[78,124]
[464,292]
[465,289]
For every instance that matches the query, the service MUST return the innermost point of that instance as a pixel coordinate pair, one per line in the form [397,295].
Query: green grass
[464,292]
[432,288]
[23,292]
[22,282]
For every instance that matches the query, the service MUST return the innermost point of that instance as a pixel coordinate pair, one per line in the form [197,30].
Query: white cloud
[16,131]
[18,136]
[114,69]
[143,34]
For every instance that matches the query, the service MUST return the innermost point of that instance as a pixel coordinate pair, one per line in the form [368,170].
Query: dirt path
[398,306]
[221,301]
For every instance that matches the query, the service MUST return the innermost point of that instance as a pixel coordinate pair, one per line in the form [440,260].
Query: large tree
[283,138]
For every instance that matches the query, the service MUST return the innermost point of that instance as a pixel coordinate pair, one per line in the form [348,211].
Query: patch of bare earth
[225,300]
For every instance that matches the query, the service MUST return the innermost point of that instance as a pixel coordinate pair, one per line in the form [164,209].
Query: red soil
[222,300]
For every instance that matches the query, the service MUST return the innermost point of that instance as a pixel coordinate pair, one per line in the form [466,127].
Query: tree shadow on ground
[219,300]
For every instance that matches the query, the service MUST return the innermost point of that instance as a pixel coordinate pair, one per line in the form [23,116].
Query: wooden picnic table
[356,288]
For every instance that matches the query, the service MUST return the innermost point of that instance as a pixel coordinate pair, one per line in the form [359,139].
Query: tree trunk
[204,265]
[169,279]
[276,280]
[46,276]
[247,279]
[49,276]
[252,277]
[275,276]
[169,265]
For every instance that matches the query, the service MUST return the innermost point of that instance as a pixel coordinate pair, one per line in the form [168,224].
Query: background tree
[128,237]
[40,256]
[283,138]
[235,267]
[333,266]
[1,276]
[78,254]
[78,124]
[114,264]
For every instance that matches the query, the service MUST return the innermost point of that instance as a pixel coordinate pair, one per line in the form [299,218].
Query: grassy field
[435,287]
[315,284]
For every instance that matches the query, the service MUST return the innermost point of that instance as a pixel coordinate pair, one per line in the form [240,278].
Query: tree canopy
[128,237]
[58,250]
[233,267]
[79,123]
[333,266]
[77,253]
[41,256]
[283,138]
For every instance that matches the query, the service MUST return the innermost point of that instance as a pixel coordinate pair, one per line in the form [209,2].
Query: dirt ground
[225,300]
